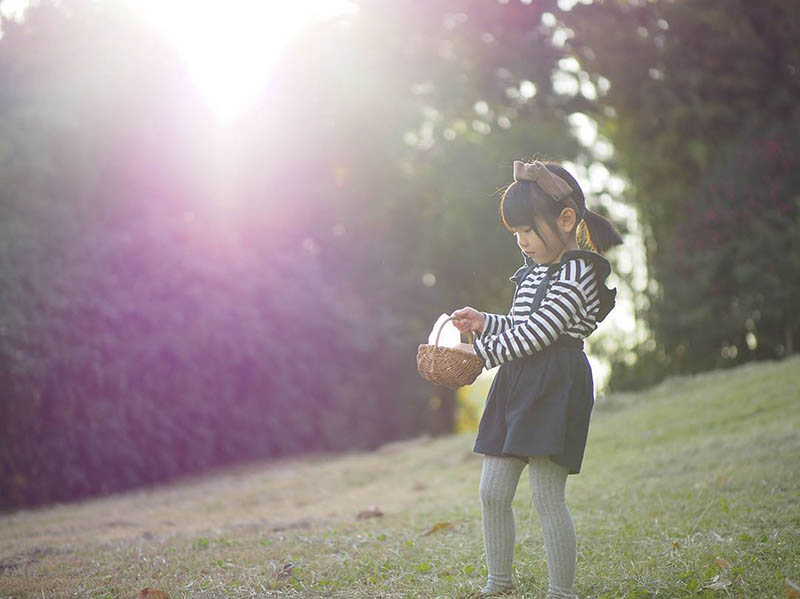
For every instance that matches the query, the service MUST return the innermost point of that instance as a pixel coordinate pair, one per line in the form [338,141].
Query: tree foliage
[158,317]
[176,296]
[692,87]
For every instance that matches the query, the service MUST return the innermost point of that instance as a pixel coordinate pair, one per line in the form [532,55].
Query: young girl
[537,410]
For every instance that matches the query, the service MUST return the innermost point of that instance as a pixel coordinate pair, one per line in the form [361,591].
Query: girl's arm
[571,296]
[495,323]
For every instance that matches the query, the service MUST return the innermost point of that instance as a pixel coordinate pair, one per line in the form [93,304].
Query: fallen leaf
[791,589]
[286,571]
[721,562]
[437,527]
[717,584]
[373,512]
[148,593]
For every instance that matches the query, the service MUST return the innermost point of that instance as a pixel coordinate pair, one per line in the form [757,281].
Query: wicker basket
[447,366]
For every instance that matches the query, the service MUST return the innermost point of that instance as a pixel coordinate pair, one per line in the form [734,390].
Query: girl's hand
[467,347]
[468,319]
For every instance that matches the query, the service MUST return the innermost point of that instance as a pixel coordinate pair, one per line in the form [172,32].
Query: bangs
[524,203]
[516,207]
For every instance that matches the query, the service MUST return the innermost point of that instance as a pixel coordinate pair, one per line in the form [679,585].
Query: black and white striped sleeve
[564,304]
[495,323]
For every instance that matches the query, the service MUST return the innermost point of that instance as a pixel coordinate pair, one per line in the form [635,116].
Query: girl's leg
[499,480]
[548,482]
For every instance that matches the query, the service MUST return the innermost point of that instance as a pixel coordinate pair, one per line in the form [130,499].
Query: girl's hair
[523,202]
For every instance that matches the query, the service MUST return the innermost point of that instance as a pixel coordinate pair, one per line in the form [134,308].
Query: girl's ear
[567,220]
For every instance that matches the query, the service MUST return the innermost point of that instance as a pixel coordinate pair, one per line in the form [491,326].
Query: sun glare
[230,47]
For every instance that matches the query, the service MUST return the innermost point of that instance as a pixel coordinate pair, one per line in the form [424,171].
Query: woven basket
[447,366]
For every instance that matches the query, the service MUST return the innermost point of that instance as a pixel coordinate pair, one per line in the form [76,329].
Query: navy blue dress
[540,404]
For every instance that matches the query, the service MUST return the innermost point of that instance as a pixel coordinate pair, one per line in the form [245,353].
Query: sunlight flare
[231,47]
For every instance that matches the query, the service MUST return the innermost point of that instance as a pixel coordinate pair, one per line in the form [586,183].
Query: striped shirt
[569,307]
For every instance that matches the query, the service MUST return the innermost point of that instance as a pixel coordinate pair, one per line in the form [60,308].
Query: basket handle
[441,326]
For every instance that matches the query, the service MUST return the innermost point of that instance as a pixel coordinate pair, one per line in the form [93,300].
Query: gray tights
[499,480]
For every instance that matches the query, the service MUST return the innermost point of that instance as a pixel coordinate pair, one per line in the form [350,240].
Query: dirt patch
[29,556]
[118,524]
[303,523]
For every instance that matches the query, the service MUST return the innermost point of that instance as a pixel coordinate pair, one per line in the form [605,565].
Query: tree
[683,80]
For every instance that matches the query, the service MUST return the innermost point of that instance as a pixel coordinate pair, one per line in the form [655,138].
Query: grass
[691,489]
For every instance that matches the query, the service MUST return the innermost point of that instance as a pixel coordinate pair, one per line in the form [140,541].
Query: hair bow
[536,171]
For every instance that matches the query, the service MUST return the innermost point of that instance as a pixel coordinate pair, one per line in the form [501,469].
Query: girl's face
[541,250]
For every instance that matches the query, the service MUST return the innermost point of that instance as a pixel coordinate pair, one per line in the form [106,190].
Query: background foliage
[700,107]
[176,295]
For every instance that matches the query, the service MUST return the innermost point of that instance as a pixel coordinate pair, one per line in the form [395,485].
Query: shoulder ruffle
[602,269]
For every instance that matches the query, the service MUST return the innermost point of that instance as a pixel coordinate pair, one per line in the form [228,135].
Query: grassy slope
[693,470]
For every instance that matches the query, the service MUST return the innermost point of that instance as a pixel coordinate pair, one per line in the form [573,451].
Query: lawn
[690,489]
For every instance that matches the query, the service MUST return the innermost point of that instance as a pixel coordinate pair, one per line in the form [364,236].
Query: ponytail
[597,232]
[594,230]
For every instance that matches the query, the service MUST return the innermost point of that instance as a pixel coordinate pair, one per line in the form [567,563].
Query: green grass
[692,483]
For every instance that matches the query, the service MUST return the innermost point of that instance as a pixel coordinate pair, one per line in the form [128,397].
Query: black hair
[524,202]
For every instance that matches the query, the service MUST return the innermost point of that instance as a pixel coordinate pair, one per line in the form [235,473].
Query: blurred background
[227,226]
